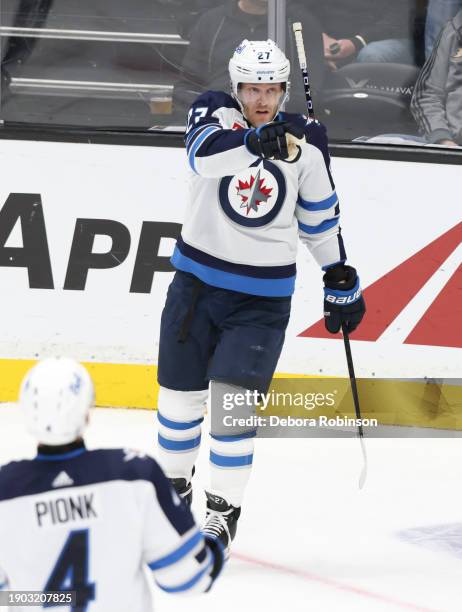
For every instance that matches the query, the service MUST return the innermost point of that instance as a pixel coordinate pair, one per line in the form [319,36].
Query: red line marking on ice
[329,582]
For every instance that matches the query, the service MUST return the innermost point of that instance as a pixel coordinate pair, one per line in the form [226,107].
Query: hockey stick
[298,33]
[354,390]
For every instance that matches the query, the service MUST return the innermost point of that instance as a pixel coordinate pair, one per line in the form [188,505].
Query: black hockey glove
[343,300]
[270,140]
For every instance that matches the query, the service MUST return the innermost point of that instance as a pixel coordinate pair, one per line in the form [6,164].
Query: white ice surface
[308,538]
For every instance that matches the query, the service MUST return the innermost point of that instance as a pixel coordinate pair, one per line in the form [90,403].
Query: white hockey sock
[230,466]
[179,415]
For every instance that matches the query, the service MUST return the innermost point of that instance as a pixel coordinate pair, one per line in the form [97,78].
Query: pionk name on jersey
[65,509]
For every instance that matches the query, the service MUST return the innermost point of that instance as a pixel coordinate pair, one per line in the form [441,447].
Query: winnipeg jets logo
[253,193]
[255,196]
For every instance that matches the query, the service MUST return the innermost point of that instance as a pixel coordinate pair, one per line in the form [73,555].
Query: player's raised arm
[213,148]
[181,559]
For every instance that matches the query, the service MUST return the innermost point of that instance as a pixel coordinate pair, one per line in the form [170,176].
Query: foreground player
[254,187]
[92,521]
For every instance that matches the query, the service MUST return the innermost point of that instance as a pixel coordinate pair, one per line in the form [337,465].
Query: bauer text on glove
[343,300]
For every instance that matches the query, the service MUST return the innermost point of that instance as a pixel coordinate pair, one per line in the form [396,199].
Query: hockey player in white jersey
[102,523]
[260,179]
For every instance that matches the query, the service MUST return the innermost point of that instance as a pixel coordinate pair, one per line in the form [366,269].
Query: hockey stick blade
[363,475]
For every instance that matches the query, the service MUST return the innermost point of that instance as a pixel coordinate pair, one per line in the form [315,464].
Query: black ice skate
[221,521]
[183,488]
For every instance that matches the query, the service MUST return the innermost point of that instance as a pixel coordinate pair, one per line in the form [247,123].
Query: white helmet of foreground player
[259,62]
[56,395]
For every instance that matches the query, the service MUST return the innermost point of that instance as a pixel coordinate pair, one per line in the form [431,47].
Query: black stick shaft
[309,99]
[354,390]
[351,371]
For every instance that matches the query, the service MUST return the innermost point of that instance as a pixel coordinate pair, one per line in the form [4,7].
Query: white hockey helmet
[259,61]
[56,395]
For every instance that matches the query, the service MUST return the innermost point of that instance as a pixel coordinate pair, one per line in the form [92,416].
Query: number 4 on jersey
[71,571]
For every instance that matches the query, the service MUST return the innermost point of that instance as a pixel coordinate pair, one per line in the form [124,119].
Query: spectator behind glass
[366,30]
[218,32]
[437,100]
[187,12]
[438,13]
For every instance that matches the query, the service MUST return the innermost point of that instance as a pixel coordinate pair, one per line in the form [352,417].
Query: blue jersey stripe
[230,461]
[179,445]
[197,143]
[322,205]
[180,426]
[318,229]
[177,554]
[195,132]
[62,457]
[228,266]
[267,287]
[186,586]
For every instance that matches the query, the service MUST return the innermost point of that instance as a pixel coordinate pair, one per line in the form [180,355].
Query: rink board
[63,204]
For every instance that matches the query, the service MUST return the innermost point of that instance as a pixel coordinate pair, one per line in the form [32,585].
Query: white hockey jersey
[99,523]
[245,213]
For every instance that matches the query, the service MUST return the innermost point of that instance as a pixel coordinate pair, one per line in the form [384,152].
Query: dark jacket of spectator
[437,100]
[372,20]
[219,31]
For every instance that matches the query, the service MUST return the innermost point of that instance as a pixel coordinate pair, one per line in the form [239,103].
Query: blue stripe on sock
[231,461]
[180,426]
[179,445]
